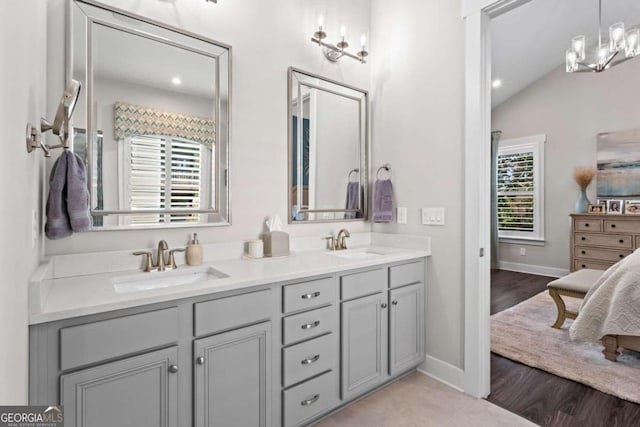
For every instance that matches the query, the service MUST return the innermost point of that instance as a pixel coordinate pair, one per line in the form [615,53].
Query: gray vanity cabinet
[406,328]
[364,356]
[232,378]
[140,391]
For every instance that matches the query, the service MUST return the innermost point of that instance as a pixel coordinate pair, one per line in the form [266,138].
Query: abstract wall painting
[619,164]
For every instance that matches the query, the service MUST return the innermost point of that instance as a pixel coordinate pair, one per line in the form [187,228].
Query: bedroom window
[520,188]
[164,173]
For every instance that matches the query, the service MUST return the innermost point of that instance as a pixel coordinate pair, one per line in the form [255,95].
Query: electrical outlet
[401,215]
[433,216]
[523,251]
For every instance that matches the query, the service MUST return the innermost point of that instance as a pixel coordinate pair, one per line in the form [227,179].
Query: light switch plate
[433,216]
[401,215]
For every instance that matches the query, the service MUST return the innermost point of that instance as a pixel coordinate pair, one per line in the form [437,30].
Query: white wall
[267,37]
[571,109]
[418,104]
[22,85]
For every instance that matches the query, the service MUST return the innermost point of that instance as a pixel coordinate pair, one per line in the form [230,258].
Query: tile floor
[419,401]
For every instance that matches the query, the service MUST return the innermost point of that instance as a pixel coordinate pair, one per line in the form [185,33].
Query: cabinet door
[364,331]
[139,391]
[233,378]
[406,333]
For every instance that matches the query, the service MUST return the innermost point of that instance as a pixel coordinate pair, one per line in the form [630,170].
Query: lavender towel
[77,195]
[58,226]
[383,201]
[353,200]
[68,200]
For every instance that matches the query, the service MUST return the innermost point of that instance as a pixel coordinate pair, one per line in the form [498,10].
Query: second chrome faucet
[339,242]
[160,264]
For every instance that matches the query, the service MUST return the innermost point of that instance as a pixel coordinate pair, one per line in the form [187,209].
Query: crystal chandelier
[607,54]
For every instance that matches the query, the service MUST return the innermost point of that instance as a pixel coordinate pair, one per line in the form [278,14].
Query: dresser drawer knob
[584,252]
[310,360]
[584,238]
[613,226]
[586,225]
[621,256]
[584,266]
[310,401]
[621,241]
[311,325]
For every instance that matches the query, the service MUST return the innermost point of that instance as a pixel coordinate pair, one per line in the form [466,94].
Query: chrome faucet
[160,264]
[341,239]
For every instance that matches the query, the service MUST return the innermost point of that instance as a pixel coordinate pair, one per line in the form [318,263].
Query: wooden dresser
[600,240]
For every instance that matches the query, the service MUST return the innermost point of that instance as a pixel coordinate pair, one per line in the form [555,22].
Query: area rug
[523,333]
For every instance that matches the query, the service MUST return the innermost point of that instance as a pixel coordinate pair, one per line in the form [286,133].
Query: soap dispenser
[194,251]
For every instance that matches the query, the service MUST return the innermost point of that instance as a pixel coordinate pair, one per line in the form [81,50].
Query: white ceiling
[530,41]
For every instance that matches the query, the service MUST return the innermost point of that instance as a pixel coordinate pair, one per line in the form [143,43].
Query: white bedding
[612,306]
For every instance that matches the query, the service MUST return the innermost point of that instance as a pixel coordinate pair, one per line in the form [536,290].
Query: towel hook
[386,167]
[356,170]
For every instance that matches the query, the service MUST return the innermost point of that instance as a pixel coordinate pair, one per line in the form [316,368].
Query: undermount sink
[164,279]
[355,254]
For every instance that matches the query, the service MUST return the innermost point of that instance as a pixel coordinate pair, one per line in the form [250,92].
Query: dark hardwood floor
[539,396]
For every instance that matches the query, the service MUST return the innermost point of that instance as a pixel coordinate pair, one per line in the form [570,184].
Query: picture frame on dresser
[632,207]
[615,206]
[597,209]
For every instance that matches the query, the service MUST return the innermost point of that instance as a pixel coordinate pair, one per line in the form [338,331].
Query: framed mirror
[328,149]
[153,122]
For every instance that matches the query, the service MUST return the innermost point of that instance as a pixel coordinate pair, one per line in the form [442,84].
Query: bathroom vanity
[249,343]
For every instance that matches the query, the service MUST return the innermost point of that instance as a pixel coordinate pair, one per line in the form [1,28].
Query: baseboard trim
[443,372]
[532,269]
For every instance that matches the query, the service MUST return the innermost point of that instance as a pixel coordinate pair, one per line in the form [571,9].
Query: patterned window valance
[135,120]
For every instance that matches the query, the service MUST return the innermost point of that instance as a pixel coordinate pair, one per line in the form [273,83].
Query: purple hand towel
[383,201]
[353,200]
[58,226]
[77,194]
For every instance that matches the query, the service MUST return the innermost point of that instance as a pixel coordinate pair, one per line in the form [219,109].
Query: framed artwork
[614,206]
[618,159]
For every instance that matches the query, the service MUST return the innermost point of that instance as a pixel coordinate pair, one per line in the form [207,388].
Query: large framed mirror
[328,150]
[152,122]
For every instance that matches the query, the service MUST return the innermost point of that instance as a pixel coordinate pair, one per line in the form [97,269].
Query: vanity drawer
[311,294]
[365,283]
[601,254]
[610,240]
[621,226]
[308,324]
[309,358]
[580,264]
[231,312]
[588,225]
[94,342]
[310,399]
[406,274]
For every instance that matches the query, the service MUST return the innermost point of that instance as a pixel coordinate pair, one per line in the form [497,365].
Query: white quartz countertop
[68,297]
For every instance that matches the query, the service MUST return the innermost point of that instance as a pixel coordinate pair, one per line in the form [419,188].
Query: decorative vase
[582,204]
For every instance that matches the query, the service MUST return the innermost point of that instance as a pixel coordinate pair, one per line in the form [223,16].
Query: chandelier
[608,53]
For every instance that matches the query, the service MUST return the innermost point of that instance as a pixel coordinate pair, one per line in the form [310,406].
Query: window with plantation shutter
[520,187]
[164,173]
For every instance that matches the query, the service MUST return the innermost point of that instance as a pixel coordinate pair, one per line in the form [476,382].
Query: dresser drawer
[309,358]
[600,254]
[621,226]
[310,399]
[588,225]
[609,240]
[94,342]
[406,274]
[308,324]
[310,294]
[232,312]
[361,284]
[594,265]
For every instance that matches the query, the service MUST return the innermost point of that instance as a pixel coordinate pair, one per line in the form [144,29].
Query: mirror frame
[96,12]
[364,150]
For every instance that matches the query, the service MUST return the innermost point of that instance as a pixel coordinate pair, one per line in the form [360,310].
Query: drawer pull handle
[200,360]
[584,238]
[586,225]
[584,266]
[173,369]
[394,302]
[383,305]
[311,295]
[311,401]
[311,325]
[310,360]
[583,252]
[621,256]
[613,226]
[621,241]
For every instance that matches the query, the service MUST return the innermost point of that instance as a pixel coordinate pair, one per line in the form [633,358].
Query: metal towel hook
[352,172]
[386,167]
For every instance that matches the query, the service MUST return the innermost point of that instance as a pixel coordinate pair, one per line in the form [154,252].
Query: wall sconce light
[334,52]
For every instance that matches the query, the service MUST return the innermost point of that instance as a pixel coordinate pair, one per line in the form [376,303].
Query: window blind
[515,191]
